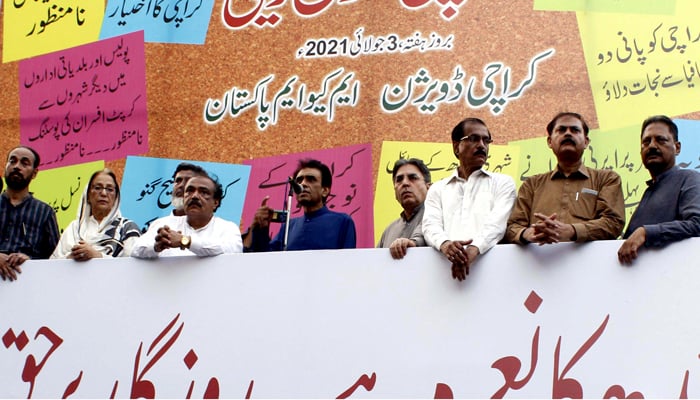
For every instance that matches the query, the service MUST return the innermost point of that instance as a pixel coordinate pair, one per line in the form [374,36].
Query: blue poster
[148,182]
[163,21]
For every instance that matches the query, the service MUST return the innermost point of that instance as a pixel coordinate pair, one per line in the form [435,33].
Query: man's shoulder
[500,177]
[41,205]
[442,182]
[224,222]
[336,218]
[678,178]
[602,172]
[686,173]
[538,179]
[339,215]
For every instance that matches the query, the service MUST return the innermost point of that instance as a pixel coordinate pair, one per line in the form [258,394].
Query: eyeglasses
[474,139]
[99,189]
[309,178]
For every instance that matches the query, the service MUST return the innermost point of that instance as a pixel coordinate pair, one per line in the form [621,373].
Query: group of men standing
[29,228]
[462,216]
[467,213]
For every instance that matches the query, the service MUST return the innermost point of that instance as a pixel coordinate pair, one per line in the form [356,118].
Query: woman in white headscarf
[100,230]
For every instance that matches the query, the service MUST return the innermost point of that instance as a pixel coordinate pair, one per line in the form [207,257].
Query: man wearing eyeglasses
[466,213]
[573,202]
[28,227]
[411,179]
[319,227]
[199,232]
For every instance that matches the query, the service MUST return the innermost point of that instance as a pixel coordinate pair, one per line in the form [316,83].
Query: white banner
[554,321]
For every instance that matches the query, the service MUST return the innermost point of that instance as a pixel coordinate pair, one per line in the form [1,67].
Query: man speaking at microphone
[319,228]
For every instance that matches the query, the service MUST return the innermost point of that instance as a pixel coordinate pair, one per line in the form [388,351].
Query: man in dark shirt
[318,228]
[670,207]
[28,227]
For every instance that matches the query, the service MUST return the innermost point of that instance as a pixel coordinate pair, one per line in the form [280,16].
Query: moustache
[568,140]
[480,152]
[194,202]
[653,152]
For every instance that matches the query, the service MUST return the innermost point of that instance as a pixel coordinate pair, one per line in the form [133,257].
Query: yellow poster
[642,66]
[32,28]
[617,6]
[62,188]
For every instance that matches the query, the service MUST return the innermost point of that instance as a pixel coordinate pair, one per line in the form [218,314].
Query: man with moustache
[572,203]
[411,179]
[670,207]
[183,172]
[319,227]
[466,213]
[198,232]
[28,227]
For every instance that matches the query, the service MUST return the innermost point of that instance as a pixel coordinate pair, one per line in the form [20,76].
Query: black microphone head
[295,186]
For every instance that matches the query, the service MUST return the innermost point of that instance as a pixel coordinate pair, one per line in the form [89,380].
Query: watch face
[185,241]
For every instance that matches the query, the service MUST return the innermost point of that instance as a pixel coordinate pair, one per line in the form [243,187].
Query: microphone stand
[288,209]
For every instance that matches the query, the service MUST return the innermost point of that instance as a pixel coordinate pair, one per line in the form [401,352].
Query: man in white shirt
[466,213]
[198,232]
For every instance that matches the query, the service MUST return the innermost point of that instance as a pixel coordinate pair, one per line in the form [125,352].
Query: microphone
[295,186]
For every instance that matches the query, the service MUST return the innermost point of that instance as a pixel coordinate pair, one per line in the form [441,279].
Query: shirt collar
[416,211]
[455,175]
[24,200]
[197,229]
[581,173]
[663,175]
[316,213]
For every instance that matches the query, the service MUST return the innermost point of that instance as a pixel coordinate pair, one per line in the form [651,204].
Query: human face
[567,140]
[179,183]
[102,195]
[659,149]
[199,197]
[19,170]
[472,153]
[312,193]
[410,187]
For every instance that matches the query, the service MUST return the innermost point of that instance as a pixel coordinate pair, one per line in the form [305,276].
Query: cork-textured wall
[181,77]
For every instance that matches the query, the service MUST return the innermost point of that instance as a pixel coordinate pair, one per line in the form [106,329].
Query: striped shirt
[29,228]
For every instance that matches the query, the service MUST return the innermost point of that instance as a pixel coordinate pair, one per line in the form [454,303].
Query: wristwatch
[185,242]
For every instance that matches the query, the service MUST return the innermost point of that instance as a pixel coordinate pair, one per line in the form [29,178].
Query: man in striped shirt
[28,227]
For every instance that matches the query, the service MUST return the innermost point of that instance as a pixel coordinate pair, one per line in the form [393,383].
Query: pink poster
[86,103]
[351,192]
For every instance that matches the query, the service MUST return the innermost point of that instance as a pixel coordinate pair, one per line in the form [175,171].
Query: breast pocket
[584,207]
[483,203]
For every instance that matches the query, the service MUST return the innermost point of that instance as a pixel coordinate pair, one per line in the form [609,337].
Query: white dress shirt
[476,208]
[219,236]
